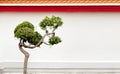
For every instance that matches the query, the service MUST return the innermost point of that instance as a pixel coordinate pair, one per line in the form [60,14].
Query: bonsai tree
[29,38]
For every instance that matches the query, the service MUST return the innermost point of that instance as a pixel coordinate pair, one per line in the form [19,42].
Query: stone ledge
[82,65]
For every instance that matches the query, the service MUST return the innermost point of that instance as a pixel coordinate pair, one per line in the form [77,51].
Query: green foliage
[24,33]
[54,40]
[24,24]
[35,39]
[46,22]
[57,21]
[25,30]
[53,22]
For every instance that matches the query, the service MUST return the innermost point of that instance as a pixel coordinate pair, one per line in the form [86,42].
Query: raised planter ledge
[58,67]
[91,65]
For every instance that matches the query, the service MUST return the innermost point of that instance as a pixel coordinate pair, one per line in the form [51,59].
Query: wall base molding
[91,65]
[62,71]
[62,67]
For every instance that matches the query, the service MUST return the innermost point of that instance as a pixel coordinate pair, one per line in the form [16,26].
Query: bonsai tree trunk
[26,54]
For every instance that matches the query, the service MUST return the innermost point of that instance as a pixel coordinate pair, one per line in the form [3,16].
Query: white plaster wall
[87,37]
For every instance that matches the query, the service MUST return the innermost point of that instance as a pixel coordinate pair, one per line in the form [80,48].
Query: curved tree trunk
[25,64]
[26,54]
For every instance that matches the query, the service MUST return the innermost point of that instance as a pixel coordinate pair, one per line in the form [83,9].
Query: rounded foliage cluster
[24,24]
[54,40]
[53,22]
[57,21]
[25,31]
[35,39]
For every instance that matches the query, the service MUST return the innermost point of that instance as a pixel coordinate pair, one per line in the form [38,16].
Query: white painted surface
[87,37]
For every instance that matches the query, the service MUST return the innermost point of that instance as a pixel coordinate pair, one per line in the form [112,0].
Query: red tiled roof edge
[58,1]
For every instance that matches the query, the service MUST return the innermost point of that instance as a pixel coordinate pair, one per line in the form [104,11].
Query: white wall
[87,37]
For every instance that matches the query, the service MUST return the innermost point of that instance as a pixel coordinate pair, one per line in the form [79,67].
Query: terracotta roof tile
[56,1]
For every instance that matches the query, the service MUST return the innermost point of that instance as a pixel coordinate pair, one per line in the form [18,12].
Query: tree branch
[46,43]
[53,30]
[42,40]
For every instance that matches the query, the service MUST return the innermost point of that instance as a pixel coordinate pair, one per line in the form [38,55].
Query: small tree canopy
[25,31]
[57,21]
[24,24]
[35,39]
[53,22]
[54,40]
